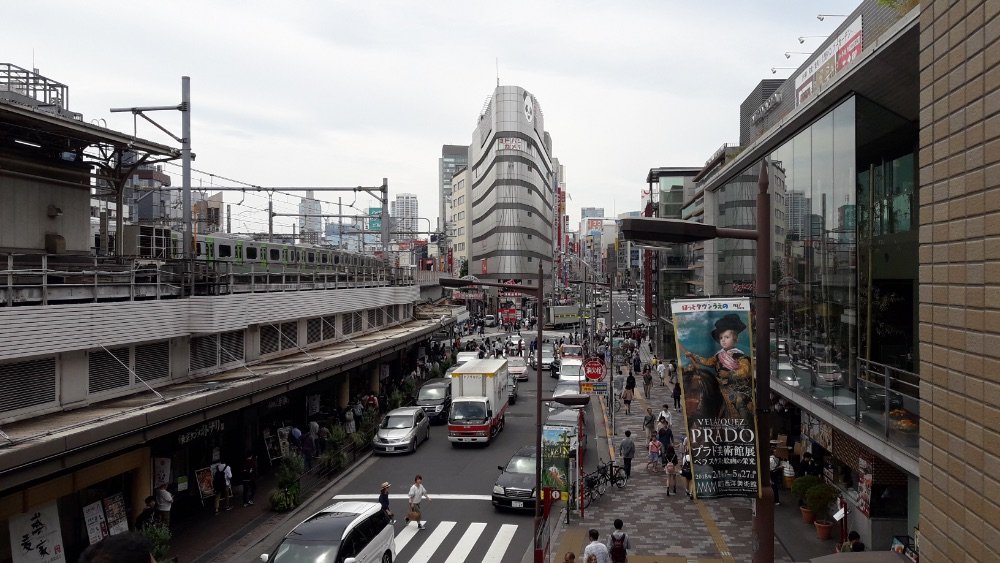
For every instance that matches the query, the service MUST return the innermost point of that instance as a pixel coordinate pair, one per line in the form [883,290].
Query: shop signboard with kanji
[36,536]
[716,362]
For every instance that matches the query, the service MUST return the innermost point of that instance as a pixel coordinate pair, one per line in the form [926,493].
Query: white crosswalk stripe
[431,539]
[500,543]
[465,545]
[430,545]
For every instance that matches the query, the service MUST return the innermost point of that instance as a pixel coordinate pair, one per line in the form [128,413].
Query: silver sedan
[401,430]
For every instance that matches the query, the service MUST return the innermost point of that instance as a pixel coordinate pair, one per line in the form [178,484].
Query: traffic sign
[593,369]
[595,388]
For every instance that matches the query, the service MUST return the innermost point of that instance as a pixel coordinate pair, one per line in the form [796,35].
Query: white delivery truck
[562,315]
[479,393]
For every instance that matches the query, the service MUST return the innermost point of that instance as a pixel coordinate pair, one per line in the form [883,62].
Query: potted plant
[158,535]
[800,487]
[818,499]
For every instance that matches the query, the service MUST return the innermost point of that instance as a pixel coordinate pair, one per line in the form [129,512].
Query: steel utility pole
[185,108]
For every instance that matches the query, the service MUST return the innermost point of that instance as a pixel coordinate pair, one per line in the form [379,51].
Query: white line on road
[500,544]
[404,536]
[468,541]
[423,555]
[403,496]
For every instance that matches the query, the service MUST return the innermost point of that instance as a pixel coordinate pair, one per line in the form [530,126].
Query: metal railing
[29,279]
[879,398]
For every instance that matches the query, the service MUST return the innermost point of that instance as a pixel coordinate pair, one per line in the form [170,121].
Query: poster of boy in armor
[716,368]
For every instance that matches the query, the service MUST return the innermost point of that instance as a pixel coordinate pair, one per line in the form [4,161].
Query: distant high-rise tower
[310,222]
[404,214]
[453,158]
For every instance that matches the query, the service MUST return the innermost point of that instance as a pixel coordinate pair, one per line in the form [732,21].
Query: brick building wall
[960,279]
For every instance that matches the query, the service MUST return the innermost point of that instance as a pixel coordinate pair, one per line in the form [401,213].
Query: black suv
[435,398]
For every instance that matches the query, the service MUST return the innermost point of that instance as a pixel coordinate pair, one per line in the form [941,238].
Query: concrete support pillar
[344,392]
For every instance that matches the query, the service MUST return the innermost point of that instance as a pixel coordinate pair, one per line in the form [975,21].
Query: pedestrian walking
[649,423]
[676,394]
[665,414]
[647,383]
[383,499]
[688,475]
[665,435]
[670,461]
[248,479]
[777,476]
[164,501]
[595,549]
[627,450]
[222,482]
[627,396]
[672,371]
[618,543]
[654,454]
[661,371]
[570,557]
[417,494]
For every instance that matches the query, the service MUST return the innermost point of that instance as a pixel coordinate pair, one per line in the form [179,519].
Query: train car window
[284,255]
[324,257]
[201,249]
[310,257]
[275,255]
[251,253]
[239,252]
[225,251]
[336,258]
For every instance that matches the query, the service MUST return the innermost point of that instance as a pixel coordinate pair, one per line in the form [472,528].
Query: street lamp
[540,297]
[662,232]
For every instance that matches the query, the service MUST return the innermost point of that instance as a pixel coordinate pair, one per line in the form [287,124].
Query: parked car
[512,389]
[548,359]
[571,369]
[786,374]
[434,397]
[465,357]
[348,531]
[517,367]
[401,430]
[515,486]
[565,388]
[490,320]
[828,374]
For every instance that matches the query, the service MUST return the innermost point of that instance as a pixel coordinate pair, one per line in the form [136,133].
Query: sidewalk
[671,529]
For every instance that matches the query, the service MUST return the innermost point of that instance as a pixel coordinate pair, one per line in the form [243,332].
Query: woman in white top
[417,493]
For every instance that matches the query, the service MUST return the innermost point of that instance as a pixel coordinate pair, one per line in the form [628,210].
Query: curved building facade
[512,181]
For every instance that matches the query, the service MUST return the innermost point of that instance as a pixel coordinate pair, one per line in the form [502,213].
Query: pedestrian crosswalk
[454,542]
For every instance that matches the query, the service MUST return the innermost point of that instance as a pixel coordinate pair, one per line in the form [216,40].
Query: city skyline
[354,117]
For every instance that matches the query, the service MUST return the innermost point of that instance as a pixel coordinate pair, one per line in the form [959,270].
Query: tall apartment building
[512,188]
[453,158]
[404,213]
[460,219]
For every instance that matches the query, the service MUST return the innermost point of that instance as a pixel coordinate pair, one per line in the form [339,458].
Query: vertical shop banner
[865,486]
[35,536]
[96,524]
[556,441]
[161,471]
[715,356]
[114,513]
[206,486]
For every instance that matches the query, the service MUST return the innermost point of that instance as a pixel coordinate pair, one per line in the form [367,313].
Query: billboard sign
[717,387]
[840,53]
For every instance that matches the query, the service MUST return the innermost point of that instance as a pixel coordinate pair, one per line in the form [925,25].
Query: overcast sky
[346,93]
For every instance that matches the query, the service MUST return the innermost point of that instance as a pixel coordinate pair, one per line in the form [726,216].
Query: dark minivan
[435,398]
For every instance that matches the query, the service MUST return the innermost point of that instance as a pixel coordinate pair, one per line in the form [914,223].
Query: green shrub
[801,485]
[333,460]
[291,467]
[337,436]
[818,499]
[158,534]
[284,499]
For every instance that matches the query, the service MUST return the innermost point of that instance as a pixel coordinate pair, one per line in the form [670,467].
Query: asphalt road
[622,308]
[461,523]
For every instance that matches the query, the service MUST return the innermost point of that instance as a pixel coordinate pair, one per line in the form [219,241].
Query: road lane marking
[374,497]
[500,544]
[404,536]
[466,543]
[423,555]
